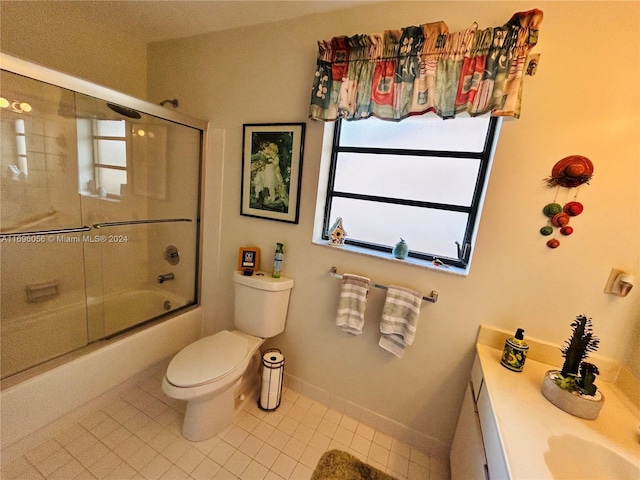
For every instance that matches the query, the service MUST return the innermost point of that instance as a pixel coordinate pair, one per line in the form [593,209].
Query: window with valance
[425,68]
[422,179]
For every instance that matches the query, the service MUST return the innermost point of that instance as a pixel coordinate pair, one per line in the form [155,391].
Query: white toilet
[207,373]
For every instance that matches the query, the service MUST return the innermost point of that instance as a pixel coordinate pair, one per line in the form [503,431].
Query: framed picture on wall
[272,170]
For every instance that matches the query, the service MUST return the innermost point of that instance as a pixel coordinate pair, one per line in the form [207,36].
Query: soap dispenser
[515,352]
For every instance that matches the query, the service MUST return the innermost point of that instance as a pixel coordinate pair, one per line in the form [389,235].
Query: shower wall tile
[35,197]
[35,142]
[37,177]
[59,162]
[34,125]
[13,192]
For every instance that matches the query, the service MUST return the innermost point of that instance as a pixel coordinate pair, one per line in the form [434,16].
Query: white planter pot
[586,407]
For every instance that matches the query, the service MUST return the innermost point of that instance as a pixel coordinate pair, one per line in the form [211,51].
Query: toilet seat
[208,359]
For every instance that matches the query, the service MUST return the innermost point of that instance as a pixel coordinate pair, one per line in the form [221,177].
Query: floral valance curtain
[424,69]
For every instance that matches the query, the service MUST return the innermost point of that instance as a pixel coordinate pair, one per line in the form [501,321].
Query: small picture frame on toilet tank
[248,258]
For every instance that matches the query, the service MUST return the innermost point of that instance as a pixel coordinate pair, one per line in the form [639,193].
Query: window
[422,179]
[110,155]
[21,144]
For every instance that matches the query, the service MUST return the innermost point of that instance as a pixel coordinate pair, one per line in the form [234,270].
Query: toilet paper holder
[272,379]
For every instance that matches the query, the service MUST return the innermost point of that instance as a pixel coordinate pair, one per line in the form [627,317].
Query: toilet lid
[207,359]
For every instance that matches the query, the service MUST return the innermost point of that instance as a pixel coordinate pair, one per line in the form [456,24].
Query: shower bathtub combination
[99,240]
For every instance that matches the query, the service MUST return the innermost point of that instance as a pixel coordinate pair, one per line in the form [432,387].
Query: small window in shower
[21,144]
[109,157]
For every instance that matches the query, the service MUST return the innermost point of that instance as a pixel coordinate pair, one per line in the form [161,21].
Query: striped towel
[353,300]
[399,319]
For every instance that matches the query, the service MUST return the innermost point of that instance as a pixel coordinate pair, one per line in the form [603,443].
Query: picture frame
[248,258]
[272,156]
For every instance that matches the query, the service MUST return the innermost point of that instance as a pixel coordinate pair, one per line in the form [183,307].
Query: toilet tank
[261,303]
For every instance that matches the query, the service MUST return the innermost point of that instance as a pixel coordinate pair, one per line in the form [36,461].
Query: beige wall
[53,34]
[574,105]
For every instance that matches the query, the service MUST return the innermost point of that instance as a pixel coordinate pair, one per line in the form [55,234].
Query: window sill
[414,262]
[98,197]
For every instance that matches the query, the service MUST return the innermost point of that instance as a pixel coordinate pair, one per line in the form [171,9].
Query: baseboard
[428,445]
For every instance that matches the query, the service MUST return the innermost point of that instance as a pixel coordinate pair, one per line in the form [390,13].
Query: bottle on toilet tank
[515,352]
[278,258]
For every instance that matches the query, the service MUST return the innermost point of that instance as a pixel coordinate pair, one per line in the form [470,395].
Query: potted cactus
[572,389]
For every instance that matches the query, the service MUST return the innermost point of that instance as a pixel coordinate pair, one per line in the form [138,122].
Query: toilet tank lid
[263,281]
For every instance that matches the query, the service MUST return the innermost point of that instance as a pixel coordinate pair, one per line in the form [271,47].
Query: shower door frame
[60,79]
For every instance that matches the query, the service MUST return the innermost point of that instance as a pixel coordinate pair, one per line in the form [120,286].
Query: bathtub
[120,310]
[42,336]
[48,335]
[37,401]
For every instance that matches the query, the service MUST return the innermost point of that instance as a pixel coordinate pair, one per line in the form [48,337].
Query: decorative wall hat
[569,173]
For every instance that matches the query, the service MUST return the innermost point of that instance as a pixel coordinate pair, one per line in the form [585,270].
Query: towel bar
[433,298]
[140,222]
[59,231]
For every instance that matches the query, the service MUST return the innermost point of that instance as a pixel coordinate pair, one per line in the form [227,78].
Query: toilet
[208,373]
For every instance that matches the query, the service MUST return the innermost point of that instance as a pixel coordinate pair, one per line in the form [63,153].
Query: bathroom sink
[571,457]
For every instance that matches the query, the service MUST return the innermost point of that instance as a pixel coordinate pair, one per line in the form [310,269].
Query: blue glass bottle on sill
[401,250]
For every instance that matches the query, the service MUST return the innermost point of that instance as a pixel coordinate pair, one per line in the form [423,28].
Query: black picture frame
[272,155]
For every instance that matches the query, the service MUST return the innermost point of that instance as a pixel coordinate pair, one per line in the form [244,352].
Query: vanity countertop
[535,435]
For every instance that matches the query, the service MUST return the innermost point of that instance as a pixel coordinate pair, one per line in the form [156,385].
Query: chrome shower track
[140,222]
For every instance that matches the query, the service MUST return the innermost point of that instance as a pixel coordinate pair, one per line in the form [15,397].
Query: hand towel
[352,303]
[399,319]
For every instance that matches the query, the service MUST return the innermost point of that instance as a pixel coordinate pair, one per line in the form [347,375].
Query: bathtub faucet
[167,276]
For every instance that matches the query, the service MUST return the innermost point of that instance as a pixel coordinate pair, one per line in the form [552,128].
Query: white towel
[352,303]
[399,319]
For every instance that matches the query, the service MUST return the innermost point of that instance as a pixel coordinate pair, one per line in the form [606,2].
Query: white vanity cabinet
[475,452]
[467,450]
[508,429]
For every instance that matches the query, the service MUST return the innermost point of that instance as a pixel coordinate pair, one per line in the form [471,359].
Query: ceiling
[155,20]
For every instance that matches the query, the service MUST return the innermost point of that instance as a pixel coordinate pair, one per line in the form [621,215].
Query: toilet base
[211,407]
[208,416]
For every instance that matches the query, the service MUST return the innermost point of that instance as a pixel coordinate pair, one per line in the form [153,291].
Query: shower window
[109,157]
[21,150]
[102,157]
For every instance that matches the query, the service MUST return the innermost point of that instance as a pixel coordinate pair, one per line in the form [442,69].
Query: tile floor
[133,432]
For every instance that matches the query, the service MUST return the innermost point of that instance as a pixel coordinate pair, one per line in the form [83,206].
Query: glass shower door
[139,179]
[99,219]
[43,311]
